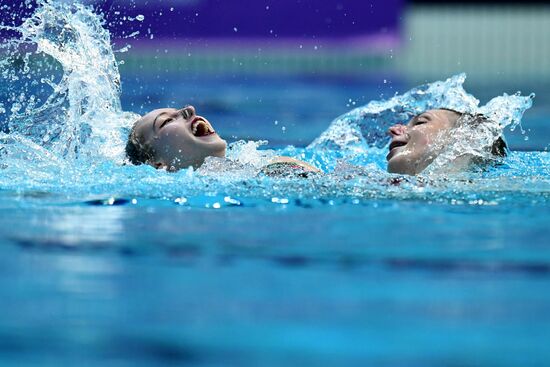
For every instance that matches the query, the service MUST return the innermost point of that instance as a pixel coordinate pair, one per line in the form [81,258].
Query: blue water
[382,281]
[111,265]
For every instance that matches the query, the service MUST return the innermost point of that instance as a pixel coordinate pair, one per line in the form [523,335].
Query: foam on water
[65,130]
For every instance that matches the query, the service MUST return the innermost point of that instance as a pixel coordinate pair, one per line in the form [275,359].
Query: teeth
[206,128]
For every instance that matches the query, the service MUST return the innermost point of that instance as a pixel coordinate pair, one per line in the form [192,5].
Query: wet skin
[415,145]
[180,139]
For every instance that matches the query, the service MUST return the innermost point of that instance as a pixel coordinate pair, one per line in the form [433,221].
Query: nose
[397,130]
[188,112]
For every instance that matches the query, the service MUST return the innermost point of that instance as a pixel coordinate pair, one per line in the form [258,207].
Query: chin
[220,152]
[401,166]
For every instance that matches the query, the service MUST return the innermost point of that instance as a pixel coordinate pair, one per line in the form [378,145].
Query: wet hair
[499,148]
[137,151]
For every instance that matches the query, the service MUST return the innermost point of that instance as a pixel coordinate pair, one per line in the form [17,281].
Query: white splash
[66,54]
[67,130]
[366,127]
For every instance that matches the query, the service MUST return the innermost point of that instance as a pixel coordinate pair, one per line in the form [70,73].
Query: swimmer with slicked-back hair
[416,144]
[173,139]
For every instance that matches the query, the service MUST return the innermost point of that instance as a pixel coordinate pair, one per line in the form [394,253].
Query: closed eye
[422,119]
[165,122]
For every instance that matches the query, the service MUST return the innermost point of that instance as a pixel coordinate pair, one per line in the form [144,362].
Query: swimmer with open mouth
[173,139]
[414,146]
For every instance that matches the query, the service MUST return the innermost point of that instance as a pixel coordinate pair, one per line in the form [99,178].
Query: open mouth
[392,149]
[200,127]
[397,144]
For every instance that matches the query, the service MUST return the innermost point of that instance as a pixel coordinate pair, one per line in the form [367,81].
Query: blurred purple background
[269,19]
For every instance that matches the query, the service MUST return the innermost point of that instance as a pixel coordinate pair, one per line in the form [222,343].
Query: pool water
[104,264]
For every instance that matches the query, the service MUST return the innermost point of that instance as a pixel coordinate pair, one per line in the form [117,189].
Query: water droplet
[140,18]
[181,201]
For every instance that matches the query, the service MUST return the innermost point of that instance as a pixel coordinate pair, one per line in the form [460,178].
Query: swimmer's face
[178,138]
[415,145]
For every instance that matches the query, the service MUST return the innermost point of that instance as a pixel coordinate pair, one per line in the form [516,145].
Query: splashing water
[66,55]
[65,130]
[367,126]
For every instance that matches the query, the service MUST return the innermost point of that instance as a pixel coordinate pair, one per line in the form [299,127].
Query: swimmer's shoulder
[284,166]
